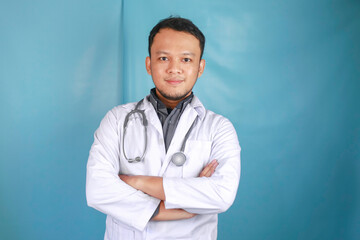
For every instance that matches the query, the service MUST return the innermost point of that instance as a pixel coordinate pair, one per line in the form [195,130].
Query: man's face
[174,64]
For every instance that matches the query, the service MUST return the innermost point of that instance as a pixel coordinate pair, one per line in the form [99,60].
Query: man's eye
[163,58]
[187,59]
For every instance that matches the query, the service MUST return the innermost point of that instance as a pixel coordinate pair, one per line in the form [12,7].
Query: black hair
[178,24]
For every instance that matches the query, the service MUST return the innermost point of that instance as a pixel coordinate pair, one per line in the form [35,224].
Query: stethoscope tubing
[144,123]
[178,158]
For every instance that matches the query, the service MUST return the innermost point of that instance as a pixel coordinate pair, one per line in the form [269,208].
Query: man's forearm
[153,186]
[171,214]
[150,185]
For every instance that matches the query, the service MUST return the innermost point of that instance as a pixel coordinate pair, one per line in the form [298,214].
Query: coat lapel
[153,119]
[187,118]
[193,110]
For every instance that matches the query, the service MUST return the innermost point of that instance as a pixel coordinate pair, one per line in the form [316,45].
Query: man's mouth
[174,81]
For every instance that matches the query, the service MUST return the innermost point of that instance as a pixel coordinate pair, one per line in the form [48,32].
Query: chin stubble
[174,98]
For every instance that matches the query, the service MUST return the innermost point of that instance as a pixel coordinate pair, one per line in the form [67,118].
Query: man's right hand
[176,214]
[209,169]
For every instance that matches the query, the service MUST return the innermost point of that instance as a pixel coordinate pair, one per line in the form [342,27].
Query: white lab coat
[129,210]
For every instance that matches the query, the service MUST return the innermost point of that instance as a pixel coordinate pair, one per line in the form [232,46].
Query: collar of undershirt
[160,106]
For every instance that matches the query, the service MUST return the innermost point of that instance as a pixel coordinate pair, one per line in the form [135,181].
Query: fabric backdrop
[286,73]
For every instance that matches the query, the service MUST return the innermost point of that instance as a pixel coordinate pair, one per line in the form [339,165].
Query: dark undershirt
[169,118]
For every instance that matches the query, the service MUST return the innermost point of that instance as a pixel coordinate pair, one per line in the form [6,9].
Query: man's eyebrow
[167,53]
[162,52]
[189,54]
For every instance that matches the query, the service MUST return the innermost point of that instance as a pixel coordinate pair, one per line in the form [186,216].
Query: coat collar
[198,107]
[195,106]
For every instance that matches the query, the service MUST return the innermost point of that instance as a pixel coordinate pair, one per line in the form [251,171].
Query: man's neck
[168,102]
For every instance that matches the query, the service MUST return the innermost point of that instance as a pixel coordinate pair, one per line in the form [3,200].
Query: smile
[174,81]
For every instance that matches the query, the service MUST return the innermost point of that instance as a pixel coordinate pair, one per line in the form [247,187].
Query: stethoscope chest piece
[178,159]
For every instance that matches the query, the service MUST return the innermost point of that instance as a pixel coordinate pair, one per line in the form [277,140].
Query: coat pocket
[119,231]
[197,153]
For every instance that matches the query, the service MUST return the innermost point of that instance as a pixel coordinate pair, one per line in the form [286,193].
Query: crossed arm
[153,186]
[107,193]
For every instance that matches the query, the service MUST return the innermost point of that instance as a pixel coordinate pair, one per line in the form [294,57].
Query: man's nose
[174,67]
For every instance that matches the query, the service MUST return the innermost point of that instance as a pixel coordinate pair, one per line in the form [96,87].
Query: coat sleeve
[216,193]
[104,190]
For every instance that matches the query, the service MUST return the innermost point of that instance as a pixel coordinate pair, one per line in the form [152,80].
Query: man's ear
[201,67]
[148,65]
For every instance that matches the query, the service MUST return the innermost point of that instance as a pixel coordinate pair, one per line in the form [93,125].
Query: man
[137,173]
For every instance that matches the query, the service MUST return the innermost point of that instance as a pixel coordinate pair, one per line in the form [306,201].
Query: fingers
[206,172]
[209,169]
[213,167]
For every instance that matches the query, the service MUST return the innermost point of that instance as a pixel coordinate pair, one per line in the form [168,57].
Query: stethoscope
[178,158]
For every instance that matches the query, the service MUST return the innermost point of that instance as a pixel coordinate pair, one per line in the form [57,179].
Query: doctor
[132,175]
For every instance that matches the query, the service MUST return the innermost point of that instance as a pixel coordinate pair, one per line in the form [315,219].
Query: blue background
[286,73]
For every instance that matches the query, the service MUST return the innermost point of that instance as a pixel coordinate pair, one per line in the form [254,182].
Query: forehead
[169,40]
